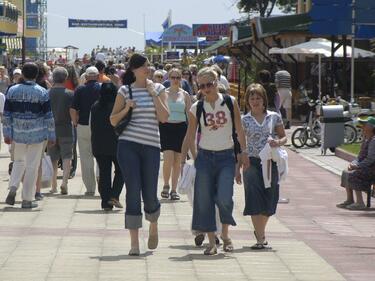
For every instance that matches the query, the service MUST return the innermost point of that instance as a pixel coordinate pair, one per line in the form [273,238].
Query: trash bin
[332,133]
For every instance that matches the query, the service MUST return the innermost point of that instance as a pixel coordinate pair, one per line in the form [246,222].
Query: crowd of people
[165,108]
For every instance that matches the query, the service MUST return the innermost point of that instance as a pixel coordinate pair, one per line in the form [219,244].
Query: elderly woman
[261,126]
[361,172]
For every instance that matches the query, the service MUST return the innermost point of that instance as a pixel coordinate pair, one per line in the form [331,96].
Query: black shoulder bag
[120,127]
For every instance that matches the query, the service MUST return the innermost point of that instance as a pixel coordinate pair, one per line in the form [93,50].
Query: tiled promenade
[69,238]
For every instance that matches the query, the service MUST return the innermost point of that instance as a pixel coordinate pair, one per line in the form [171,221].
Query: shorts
[285,97]
[62,149]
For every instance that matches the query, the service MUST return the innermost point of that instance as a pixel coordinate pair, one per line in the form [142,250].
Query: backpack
[228,101]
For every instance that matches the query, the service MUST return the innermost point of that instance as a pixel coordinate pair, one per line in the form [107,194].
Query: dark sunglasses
[175,77]
[204,86]
[159,76]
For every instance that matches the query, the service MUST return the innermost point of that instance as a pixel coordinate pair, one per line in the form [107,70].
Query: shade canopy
[321,46]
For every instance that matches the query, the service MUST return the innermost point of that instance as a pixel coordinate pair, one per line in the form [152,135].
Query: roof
[217,45]
[279,24]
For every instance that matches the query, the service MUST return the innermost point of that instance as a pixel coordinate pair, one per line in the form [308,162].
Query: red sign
[203,30]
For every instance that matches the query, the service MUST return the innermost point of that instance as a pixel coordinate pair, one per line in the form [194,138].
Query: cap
[17,71]
[370,121]
[92,70]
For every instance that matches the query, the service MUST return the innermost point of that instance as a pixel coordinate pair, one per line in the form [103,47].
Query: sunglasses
[207,85]
[159,76]
[175,77]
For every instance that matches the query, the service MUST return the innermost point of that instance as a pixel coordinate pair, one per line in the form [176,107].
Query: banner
[173,55]
[98,23]
[203,30]
[179,33]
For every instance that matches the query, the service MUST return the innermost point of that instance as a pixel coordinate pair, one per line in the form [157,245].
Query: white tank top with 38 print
[217,135]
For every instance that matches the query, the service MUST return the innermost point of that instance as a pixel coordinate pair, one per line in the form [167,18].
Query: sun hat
[91,71]
[17,71]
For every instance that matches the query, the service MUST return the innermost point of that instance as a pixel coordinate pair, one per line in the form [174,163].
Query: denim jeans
[140,168]
[213,185]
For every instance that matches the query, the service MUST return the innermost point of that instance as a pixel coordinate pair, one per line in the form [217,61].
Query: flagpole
[144,30]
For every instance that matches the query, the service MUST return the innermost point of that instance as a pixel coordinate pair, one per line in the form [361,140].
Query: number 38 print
[217,120]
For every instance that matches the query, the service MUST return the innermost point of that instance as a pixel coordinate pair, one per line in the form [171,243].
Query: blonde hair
[175,70]
[256,89]
[208,72]
[158,73]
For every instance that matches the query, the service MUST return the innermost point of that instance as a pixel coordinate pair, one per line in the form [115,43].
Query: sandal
[227,245]
[265,243]
[198,240]
[258,246]
[344,204]
[210,251]
[165,192]
[174,195]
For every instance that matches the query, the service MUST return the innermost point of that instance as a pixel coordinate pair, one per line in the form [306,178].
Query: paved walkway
[69,238]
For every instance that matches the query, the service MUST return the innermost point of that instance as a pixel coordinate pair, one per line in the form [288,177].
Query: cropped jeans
[214,181]
[140,168]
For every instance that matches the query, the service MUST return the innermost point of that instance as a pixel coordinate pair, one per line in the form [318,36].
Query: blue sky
[155,12]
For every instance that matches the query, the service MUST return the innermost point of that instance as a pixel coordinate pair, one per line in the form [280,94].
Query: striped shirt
[144,125]
[282,79]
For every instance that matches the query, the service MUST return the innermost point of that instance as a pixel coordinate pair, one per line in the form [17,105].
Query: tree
[265,7]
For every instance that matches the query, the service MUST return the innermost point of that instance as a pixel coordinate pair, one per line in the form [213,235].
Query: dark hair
[264,76]
[136,61]
[100,65]
[108,92]
[190,79]
[30,70]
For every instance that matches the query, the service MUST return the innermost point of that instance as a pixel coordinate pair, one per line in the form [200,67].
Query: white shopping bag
[47,171]
[186,181]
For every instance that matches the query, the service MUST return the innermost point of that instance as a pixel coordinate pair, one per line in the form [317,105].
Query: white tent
[321,47]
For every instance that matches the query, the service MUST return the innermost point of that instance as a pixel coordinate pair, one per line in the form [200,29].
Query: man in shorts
[61,100]
[283,84]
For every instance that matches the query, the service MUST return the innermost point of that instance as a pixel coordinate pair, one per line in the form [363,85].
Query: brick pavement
[69,238]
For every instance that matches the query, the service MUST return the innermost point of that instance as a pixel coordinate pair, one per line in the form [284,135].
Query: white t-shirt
[217,135]
[224,81]
[2,103]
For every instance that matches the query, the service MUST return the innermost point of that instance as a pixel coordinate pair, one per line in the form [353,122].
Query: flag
[167,22]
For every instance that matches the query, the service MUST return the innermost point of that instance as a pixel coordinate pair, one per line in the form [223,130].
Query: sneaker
[344,204]
[53,190]
[11,198]
[64,190]
[28,204]
[356,206]
[115,202]
[38,196]
[198,240]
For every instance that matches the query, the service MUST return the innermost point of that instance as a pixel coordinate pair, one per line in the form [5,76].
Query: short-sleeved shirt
[257,134]
[84,97]
[61,99]
[217,135]
[143,127]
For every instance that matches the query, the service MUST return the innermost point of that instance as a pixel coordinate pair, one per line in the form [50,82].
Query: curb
[345,155]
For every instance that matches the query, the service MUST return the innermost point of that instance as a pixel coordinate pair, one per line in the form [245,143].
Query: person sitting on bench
[360,174]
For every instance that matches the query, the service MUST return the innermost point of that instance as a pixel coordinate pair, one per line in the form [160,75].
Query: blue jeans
[140,168]
[213,185]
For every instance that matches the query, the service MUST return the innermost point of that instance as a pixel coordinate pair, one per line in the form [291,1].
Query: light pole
[23,54]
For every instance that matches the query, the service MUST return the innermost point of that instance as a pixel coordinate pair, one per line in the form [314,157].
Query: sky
[154,12]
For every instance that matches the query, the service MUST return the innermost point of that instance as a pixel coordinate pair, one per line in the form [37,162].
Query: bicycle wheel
[299,137]
[312,140]
[350,134]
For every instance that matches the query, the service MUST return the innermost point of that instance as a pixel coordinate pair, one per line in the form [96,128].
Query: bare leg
[176,169]
[349,195]
[167,166]
[259,223]
[134,240]
[225,231]
[66,173]
[211,239]
[54,176]
[358,194]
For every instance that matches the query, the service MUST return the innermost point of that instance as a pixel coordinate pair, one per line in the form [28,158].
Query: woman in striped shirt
[138,149]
